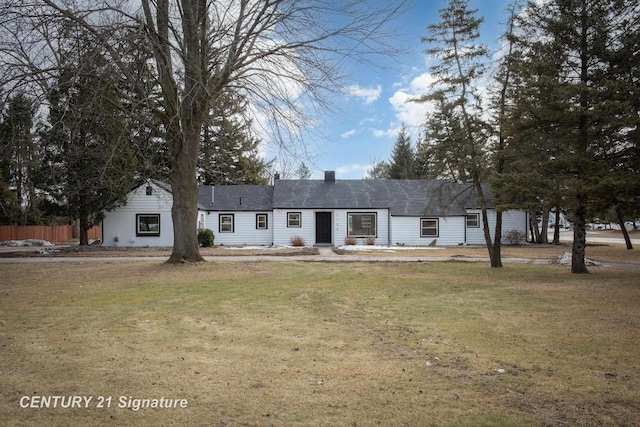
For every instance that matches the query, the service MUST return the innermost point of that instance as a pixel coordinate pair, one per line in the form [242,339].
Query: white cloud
[368,95]
[411,114]
[349,133]
[390,132]
[352,170]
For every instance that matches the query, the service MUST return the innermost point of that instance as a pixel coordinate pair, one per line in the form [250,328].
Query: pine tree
[20,155]
[423,159]
[88,160]
[572,99]
[458,132]
[402,162]
[229,152]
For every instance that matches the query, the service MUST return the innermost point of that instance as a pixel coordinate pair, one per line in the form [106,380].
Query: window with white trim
[226,223]
[294,219]
[473,220]
[361,224]
[147,224]
[429,227]
[262,221]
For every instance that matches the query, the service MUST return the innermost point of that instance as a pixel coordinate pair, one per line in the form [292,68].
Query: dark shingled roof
[406,197]
[403,197]
[235,197]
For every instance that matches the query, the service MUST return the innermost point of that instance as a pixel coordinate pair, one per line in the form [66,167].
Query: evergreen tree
[423,159]
[229,151]
[10,212]
[88,160]
[19,155]
[572,97]
[402,162]
[458,132]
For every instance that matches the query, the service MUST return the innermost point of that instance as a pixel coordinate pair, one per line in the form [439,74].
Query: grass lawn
[299,344]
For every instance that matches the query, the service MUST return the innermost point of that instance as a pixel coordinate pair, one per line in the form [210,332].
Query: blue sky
[373,106]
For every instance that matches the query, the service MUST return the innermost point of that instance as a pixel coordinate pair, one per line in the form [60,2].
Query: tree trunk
[533,226]
[84,230]
[544,229]
[496,256]
[578,264]
[556,227]
[184,187]
[625,233]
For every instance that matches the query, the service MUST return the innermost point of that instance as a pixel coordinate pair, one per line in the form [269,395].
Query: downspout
[389,226]
[464,221]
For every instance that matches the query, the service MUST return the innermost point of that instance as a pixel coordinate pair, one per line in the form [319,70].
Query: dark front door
[323,227]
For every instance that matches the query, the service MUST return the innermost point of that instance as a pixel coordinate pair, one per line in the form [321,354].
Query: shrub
[297,241]
[514,237]
[350,241]
[205,237]
[370,241]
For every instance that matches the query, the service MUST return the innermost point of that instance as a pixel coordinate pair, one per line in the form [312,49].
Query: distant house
[322,212]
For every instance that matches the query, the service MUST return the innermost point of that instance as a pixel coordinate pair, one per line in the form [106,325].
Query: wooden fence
[53,233]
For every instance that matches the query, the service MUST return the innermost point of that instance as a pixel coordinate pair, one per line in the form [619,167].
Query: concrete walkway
[325,255]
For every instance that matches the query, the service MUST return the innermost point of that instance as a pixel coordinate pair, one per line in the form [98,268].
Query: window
[262,222]
[362,224]
[148,224]
[149,190]
[294,219]
[226,223]
[473,220]
[429,227]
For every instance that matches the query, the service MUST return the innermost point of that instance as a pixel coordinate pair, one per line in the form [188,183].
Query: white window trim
[266,221]
[220,223]
[437,227]
[289,220]
[477,216]
[375,228]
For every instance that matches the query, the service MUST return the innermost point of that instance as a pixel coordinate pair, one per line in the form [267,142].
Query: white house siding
[244,228]
[514,220]
[341,225]
[406,230]
[119,226]
[511,220]
[307,230]
[282,234]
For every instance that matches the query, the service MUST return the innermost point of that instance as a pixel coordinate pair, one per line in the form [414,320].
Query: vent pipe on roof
[212,194]
[276,176]
[330,176]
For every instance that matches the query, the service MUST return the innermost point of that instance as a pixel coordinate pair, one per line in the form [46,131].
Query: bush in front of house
[350,241]
[205,237]
[370,241]
[514,237]
[297,241]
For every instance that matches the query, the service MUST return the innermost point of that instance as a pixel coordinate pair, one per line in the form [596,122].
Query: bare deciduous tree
[283,55]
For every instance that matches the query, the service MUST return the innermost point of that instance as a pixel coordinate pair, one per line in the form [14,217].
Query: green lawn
[290,344]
